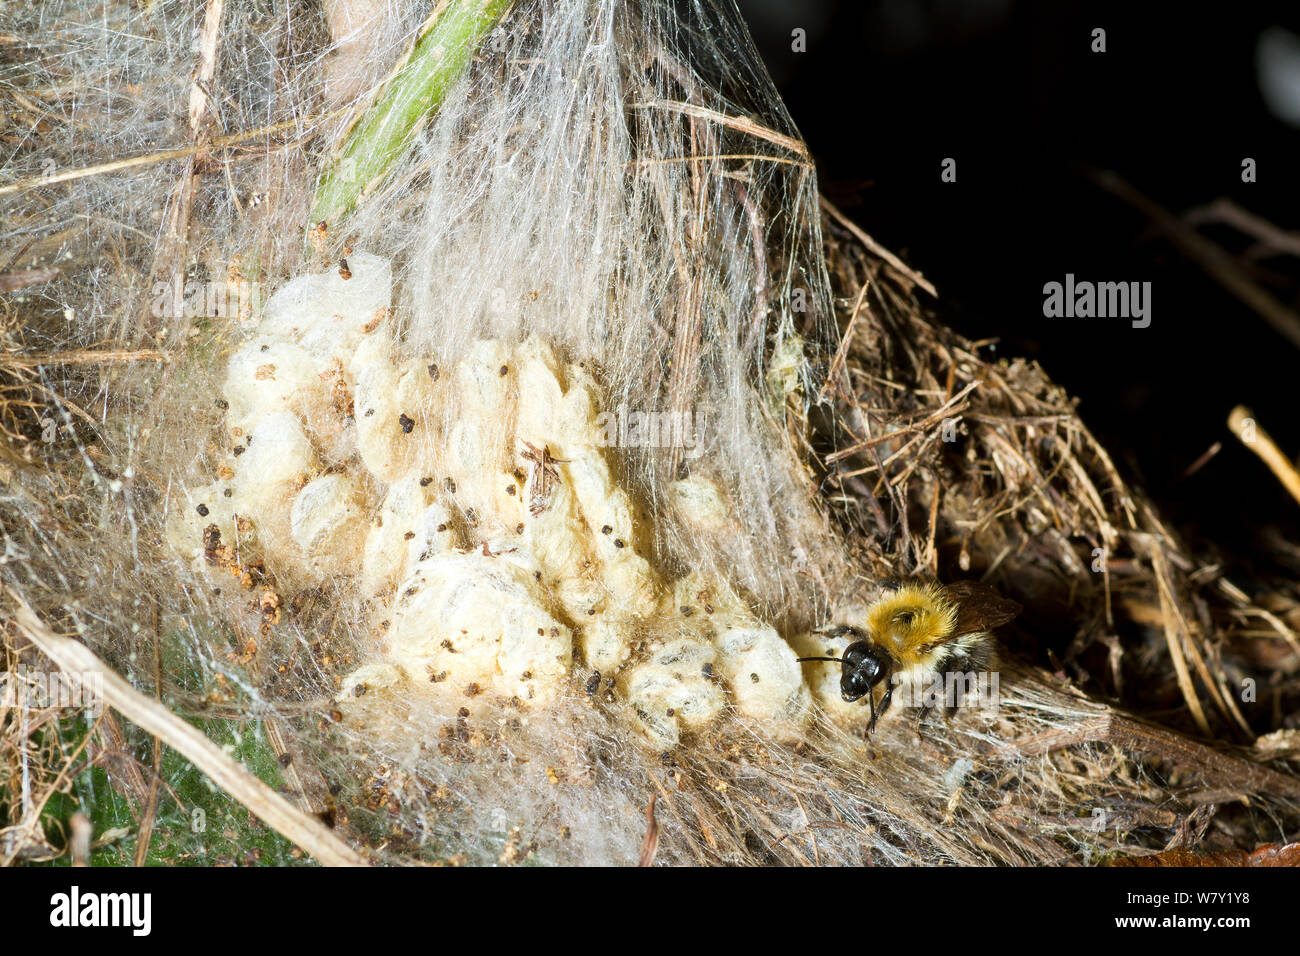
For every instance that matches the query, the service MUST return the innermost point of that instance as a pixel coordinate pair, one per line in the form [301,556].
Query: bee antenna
[833,660]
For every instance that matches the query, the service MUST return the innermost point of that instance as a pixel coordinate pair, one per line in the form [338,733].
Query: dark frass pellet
[344,271]
[620,543]
[505,370]
[425,482]
[222,404]
[707,670]
[593,683]
[606,529]
[450,485]
[202,510]
[239,450]
[359,690]
[406,422]
[433,371]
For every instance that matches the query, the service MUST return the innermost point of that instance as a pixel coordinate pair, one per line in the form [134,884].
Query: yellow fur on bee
[932,619]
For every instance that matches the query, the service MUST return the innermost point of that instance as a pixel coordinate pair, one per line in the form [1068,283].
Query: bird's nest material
[1121,729]
[1143,694]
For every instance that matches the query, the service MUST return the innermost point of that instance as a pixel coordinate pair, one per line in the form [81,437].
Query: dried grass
[1133,742]
[1122,730]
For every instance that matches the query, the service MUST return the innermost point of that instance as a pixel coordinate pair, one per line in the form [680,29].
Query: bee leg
[956,677]
[920,718]
[924,742]
[920,728]
[839,630]
[884,706]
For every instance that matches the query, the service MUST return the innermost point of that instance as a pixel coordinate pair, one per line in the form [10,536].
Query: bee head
[864,666]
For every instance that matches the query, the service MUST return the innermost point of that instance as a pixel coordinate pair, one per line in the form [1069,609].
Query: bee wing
[979,608]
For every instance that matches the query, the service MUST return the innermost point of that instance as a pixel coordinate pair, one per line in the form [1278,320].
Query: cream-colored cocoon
[473,508]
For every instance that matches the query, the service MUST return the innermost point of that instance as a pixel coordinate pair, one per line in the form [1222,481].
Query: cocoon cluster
[471,506]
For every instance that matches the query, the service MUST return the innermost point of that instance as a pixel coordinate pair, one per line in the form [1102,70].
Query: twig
[1264,446]
[145,834]
[877,249]
[1174,639]
[1201,461]
[718,157]
[650,844]
[164,156]
[1216,767]
[1226,211]
[207,65]
[740,123]
[81,357]
[1209,256]
[79,841]
[13,281]
[837,363]
[948,409]
[672,808]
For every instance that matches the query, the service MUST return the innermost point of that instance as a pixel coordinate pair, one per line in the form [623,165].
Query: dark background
[1012,91]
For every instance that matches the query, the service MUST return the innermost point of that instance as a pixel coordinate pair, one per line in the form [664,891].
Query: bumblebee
[915,635]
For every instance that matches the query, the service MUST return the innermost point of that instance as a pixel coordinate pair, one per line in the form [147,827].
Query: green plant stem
[438,58]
